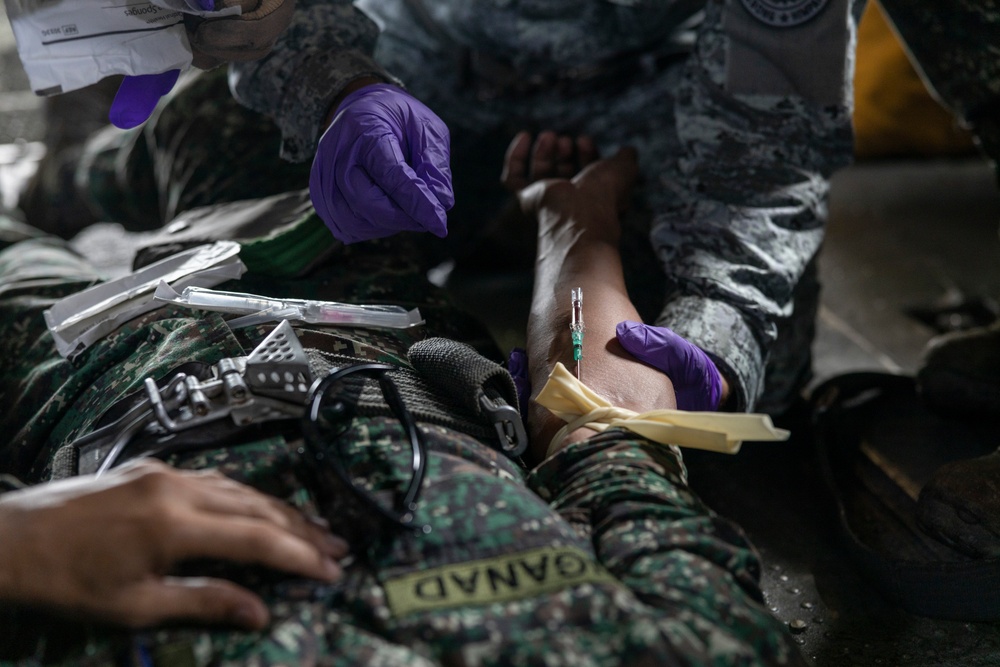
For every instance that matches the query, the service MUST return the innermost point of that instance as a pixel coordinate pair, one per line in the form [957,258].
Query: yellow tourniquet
[578,405]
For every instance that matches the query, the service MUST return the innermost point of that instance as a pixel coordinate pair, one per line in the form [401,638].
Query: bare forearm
[576,252]
[7,574]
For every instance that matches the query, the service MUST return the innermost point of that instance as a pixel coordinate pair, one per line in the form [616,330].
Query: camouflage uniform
[601,555]
[736,155]
[957,52]
[740,120]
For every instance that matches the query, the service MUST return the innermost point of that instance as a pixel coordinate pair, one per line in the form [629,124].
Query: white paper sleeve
[68,44]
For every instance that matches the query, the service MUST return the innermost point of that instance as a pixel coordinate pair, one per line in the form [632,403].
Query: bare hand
[550,155]
[564,175]
[101,548]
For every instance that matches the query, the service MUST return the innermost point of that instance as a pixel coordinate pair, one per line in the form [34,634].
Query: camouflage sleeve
[696,572]
[328,44]
[763,114]
[950,49]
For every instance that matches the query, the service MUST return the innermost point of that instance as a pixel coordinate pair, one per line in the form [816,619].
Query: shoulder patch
[784,13]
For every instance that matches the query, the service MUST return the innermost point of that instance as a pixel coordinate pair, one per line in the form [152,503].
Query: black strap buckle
[507,422]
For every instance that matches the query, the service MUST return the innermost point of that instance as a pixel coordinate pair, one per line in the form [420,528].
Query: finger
[542,163]
[248,540]
[199,600]
[586,150]
[696,380]
[244,501]
[514,176]
[401,200]
[138,96]
[636,339]
[430,158]
[565,164]
[407,206]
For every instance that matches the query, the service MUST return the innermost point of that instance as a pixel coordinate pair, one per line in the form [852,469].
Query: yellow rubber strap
[579,406]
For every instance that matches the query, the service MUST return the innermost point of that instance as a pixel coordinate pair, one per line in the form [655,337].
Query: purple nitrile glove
[137,97]
[203,5]
[517,366]
[697,382]
[382,167]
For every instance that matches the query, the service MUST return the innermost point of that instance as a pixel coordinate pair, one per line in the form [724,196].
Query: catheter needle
[576,326]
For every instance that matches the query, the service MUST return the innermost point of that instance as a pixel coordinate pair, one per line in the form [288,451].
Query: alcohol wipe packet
[69,44]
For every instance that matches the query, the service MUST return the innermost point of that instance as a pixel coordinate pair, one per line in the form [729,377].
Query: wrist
[356,84]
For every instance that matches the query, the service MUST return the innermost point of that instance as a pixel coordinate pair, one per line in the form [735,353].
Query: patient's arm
[578,233]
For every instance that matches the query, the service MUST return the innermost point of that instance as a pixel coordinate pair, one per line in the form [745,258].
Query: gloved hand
[137,97]
[249,35]
[382,167]
[697,382]
[517,366]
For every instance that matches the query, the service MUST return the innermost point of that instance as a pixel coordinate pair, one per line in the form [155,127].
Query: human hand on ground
[102,548]
[382,167]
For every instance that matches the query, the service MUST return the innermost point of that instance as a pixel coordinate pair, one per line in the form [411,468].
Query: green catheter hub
[576,327]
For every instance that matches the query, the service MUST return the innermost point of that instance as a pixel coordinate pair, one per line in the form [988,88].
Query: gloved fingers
[429,154]
[409,203]
[138,96]
[382,167]
[517,366]
[195,7]
[381,216]
[697,382]
[647,344]
[437,175]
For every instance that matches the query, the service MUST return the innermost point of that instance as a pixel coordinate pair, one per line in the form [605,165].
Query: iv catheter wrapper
[81,319]
[267,309]
[69,44]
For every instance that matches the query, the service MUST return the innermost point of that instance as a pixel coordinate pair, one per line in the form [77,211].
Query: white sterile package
[69,44]
[78,321]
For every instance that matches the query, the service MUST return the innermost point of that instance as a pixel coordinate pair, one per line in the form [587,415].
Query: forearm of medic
[328,46]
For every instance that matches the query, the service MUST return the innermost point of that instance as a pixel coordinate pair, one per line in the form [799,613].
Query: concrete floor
[902,235]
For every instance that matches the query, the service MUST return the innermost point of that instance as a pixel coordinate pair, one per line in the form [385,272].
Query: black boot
[960,505]
[960,378]
[960,375]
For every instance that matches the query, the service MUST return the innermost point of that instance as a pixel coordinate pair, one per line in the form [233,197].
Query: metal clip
[507,422]
[271,384]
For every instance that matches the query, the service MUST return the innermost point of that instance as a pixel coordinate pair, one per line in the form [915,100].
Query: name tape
[500,579]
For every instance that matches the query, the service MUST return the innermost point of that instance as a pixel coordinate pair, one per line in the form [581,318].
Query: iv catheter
[576,327]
